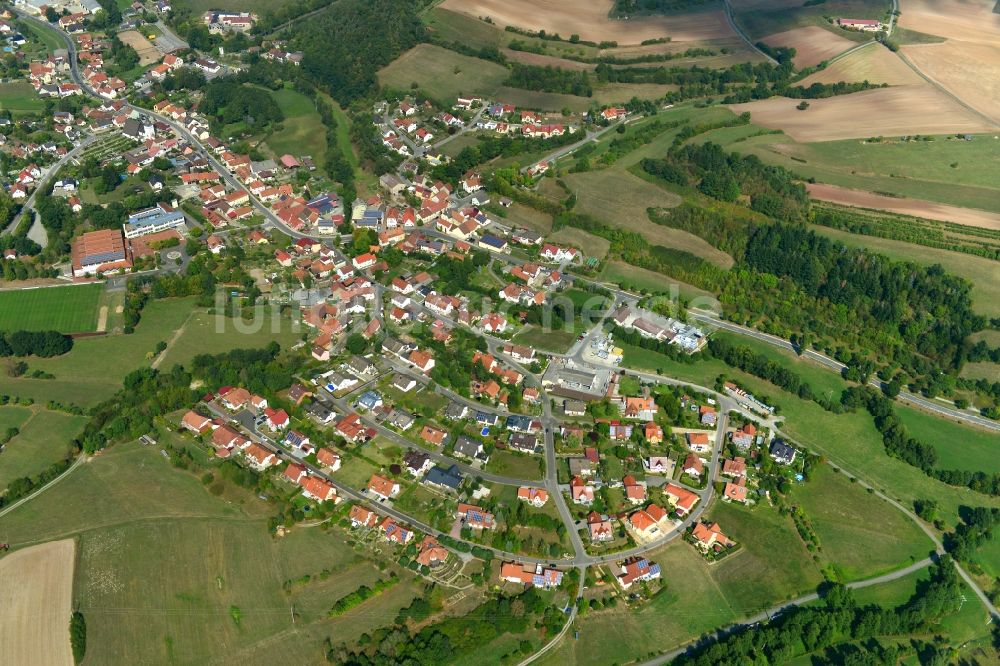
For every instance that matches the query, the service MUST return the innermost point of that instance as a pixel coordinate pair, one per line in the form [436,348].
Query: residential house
[530,574]
[382,487]
[535,496]
[581,492]
[636,569]
[476,517]
[600,528]
[709,536]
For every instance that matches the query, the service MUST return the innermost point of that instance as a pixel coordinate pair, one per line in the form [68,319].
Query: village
[420,310]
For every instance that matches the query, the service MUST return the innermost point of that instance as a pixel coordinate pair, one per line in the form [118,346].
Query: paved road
[566,150]
[471,125]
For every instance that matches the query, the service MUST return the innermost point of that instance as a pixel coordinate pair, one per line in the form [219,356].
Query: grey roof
[450,478]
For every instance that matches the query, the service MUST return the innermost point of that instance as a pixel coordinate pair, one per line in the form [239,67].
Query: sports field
[36,590]
[64,309]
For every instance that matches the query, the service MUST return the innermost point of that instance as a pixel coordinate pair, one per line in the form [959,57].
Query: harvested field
[590,20]
[36,594]
[911,109]
[872,63]
[148,53]
[964,20]
[970,71]
[915,207]
[812,44]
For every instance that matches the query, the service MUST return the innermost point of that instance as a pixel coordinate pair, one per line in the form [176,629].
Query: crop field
[36,591]
[961,20]
[591,20]
[875,64]
[896,111]
[44,438]
[620,198]
[301,130]
[984,274]
[884,540]
[64,309]
[444,73]
[169,573]
[968,70]
[19,97]
[812,44]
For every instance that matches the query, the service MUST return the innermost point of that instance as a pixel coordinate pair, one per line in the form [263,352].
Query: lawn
[984,274]
[44,438]
[539,338]
[64,309]
[860,535]
[443,73]
[302,130]
[19,97]
[515,465]
[168,573]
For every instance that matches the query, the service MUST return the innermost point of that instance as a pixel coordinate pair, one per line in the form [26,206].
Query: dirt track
[36,595]
[915,207]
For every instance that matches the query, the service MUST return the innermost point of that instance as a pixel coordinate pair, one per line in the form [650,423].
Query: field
[760,18]
[812,44]
[910,109]
[967,20]
[589,244]
[970,71]
[874,64]
[301,129]
[591,22]
[904,206]
[148,54]
[36,588]
[443,73]
[19,97]
[860,536]
[958,445]
[44,438]
[64,309]
[635,278]
[620,198]
[170,573]
[984,274]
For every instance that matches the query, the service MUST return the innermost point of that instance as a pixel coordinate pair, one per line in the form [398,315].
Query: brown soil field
[148,54]
[963,20]
[895,111]
[36,595]
[915,207]
[590,20]
[970,71]
[812,44]
[873,63]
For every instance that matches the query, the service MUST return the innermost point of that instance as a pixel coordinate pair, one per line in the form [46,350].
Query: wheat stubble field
[36,593]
